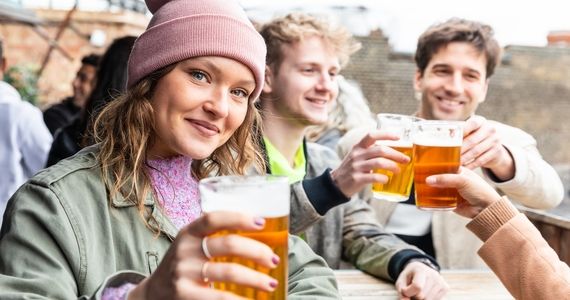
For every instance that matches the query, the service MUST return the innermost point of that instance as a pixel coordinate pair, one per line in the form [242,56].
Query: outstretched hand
[185,271]
[355,170]
[477,193]
[418,281]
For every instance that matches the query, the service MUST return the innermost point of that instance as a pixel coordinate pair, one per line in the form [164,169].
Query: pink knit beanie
[181,29]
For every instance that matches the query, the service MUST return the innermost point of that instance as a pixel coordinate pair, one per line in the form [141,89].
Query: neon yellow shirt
[279,165]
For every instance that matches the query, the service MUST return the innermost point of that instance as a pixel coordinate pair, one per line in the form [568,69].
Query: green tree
[25,79]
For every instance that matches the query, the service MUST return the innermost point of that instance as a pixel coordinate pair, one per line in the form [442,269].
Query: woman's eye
[198,75]
[240,93]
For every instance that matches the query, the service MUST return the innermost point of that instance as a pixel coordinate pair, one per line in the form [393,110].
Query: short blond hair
[295,27]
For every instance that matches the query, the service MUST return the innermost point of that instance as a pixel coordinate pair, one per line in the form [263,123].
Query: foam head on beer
[264,196]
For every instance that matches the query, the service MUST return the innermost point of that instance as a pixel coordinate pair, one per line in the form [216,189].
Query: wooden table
[464,284]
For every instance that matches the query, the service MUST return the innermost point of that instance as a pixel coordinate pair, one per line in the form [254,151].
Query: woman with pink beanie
[122,219]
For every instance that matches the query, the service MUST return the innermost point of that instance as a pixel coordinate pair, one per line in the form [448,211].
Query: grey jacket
[338,229]
[62,239]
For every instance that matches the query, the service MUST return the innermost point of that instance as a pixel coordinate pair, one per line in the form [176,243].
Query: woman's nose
[218,105]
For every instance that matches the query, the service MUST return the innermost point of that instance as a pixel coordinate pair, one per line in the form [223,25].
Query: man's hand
[355,171]
[482,147]
[418,281]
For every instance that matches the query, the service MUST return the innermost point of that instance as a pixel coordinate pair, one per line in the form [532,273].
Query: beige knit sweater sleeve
[515,250]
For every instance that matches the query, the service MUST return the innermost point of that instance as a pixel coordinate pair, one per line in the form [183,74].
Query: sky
[522,22]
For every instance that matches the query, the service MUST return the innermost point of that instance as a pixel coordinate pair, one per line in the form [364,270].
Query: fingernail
[430,180]
[259,221]
[273,284]
[275,259]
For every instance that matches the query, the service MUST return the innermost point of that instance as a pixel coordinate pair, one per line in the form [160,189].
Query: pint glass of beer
[264,196]
[437,150]
[398,187]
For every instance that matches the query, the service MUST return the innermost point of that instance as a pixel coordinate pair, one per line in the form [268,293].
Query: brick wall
[530,90]
[24,46]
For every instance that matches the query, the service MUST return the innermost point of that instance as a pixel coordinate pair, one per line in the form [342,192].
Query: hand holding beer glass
[437,150]
[263,196]
[398,187]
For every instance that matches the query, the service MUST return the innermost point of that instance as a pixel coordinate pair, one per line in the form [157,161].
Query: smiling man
[304,57]
[455,60]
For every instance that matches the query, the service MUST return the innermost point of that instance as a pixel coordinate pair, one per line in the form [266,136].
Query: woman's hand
[185,271]
[477,193]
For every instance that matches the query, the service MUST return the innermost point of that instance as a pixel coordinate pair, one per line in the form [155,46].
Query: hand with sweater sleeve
[513,248]
[476,193]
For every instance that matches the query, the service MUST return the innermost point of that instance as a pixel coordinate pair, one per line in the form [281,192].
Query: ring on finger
[205,249]
[205,278]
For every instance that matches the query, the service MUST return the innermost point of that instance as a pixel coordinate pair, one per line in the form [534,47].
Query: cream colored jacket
[536,185]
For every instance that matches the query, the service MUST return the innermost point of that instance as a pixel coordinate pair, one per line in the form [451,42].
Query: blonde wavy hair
[295,27]
[125,132]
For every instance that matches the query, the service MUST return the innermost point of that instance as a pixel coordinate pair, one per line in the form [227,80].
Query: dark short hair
[479,35]
[91,59]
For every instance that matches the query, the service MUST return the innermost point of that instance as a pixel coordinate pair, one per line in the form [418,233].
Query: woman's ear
[267,88]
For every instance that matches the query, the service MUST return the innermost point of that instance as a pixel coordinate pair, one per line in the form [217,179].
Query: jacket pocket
[152,261]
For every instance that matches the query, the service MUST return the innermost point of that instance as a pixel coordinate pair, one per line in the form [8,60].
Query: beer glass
[264,196]
[437,150]
[398,187]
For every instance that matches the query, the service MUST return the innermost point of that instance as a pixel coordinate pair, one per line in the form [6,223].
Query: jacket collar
[163,223]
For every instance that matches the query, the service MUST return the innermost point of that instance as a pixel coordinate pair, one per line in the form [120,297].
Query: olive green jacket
[61,239]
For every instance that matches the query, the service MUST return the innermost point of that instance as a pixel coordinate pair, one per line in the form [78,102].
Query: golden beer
[264,196]
[399,185]
[431,160]
[275,235]
[437,150]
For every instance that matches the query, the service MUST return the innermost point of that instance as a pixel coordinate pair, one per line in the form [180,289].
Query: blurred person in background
[350,110]
[24,139]
[110,82]
[64,112]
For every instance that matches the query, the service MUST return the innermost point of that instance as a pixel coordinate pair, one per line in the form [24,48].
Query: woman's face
[199,105]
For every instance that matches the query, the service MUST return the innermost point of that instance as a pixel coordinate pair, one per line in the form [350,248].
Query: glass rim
[410,117]
[243,180]
[441,122]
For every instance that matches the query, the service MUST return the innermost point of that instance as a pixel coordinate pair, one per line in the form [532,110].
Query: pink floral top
[177,193]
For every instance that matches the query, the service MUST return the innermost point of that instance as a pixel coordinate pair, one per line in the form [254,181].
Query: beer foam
[253,195]
[398,143]
[433,141]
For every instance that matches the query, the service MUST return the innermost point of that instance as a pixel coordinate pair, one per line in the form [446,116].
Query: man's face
[453,83]
[304,85]
[83,84]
